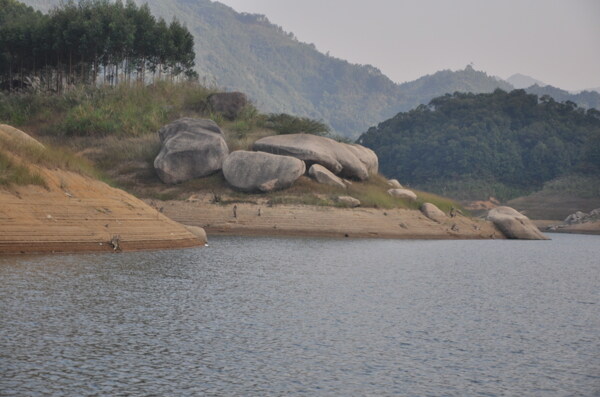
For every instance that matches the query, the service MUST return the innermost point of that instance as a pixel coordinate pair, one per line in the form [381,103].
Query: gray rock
[403,194]
[395,184]
[577,217]
[324,176]
[339,158]
[514,225]
[191,148]
[229,104]
[433,212]
[366,156]
[349,201]
[263,172]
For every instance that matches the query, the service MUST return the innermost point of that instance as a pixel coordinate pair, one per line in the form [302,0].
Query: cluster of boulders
[582,217]
[194,148]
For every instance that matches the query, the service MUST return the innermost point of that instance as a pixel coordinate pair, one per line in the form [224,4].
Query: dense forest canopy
[513,138]
[87,41]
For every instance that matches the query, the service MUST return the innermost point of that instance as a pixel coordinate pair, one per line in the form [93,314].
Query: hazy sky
[557,42]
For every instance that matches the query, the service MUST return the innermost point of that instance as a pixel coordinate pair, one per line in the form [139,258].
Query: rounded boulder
[340,158]
[262,172]
[402,194]
[191,148]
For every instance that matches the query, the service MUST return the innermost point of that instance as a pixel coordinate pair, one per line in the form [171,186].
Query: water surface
[268,316]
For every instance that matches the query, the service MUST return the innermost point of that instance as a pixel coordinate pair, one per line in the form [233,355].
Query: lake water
[268,316]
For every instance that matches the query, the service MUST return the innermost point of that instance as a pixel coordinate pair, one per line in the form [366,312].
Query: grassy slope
[115,130]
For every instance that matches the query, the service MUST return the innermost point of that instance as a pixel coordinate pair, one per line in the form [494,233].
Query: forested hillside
[248,53]
[511,142]
[283,75]
[586,99]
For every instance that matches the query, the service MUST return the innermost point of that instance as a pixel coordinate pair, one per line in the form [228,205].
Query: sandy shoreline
[78,214]
[316,221]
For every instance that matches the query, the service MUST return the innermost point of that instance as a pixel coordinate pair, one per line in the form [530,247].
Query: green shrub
[283,123]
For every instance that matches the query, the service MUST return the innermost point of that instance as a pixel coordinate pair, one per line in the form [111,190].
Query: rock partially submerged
[514,225]
[262,172]
[403,194]
[191,148]
[434,213]
[326,177]
[344,160]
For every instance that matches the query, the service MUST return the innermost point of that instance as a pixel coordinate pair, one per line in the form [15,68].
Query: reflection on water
[264,316]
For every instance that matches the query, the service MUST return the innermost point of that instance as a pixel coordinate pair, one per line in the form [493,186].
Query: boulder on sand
[349,201]
[433,212]
[229,104]
[344,160]
[514,225]
[325,177]
[191,148]
[403,194]
[264,172]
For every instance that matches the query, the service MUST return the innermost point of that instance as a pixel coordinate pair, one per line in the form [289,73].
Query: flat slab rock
[325,177]
[261,172]
[191,148]
[345,160]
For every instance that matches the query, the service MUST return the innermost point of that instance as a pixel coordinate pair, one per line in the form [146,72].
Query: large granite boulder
[325,177]
[344,160]
[403,194]
[263,172]
[366,156]
[229,104]
[432,212]
[191,148]
[514,225]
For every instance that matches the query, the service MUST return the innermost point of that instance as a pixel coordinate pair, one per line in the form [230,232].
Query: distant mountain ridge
[520,81]
[246,52]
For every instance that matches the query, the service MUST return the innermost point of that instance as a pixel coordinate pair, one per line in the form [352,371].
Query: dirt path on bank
[303,220]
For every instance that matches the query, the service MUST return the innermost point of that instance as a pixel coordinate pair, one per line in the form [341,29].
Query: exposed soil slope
[76,213]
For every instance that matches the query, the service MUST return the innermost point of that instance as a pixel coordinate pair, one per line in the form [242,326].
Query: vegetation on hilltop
[586,99]
[501,144]
[115,128]
[90,41]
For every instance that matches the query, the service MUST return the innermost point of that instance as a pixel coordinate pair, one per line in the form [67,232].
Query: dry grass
[18,155]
